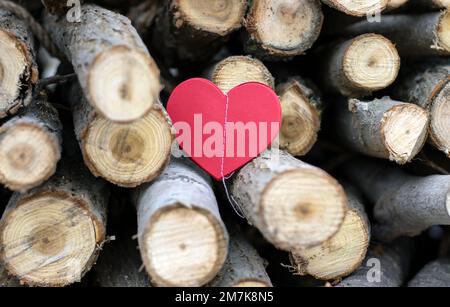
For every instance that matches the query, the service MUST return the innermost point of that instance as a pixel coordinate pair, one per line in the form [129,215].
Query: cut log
[427,34]
[358,8]
[344,252]
[235,70]
[434,274]
[50,236]
[115,70]
[59,7]
[282,29]
[405,205]
[6,280]
[19,72]
[395,4]
[382,128]
[243,267]
[428,85]
[189,31]
[182,238]
[301,106]
[119,265]
[384,266]
[30,146]
[293,204]
[359,66]
[124,154]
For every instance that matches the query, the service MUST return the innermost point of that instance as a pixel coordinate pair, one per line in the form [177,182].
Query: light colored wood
[51,234]
[115,70]
[359,7]
[293,204]
[235,70]
[434,274]
[124,154]
[243,267]
[182,239]
[359,66]
[395,4]
[282,29]
[301,116]
[382,128]
[344,252]
[30,146]
[19,72]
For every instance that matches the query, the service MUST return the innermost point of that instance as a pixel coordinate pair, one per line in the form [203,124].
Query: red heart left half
[222,132]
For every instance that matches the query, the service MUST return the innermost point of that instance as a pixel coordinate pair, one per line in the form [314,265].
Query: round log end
[28,156]
[123,84]
[300,119]
[17,74]
[217,16]
[183,247]
[298,217]
[236,70]
[284,28]
[443,32]
[49,239]
[440,117]
[394,4]
[128,154]
[404,130]
[340,255]
[358,8]
[371,62]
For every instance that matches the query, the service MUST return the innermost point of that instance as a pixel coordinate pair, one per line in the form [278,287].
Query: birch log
[19,72]
[405,205]
[293,204]
[30,146]
[182,238]
[282,29]
[50,236]
[428,85]
[235,70]
[124,154]
[114,68]
[382,128]
[434,274]
[358,8]
[384,266]
[344,252]
[413,35]
[190,31]
[359,66]
[301,106]
[243,267]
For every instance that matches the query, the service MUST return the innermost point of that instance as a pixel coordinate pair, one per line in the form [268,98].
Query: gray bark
[434,274]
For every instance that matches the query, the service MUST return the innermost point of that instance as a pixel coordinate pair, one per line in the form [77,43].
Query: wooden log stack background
[359,195]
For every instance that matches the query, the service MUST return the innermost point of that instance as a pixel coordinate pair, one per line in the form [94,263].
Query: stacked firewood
[359,192]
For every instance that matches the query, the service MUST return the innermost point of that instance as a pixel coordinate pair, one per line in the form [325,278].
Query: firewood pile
[93,195]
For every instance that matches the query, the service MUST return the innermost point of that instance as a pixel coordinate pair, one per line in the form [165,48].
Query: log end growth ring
[440,118]
[123,84]
[443,31]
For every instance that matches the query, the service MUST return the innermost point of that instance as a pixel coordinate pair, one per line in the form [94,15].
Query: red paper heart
[253,114]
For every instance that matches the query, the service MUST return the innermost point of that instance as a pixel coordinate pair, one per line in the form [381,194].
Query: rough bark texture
[344,252]
[302,106]
[78,197]
[428,85]
[27,164]
[289,200]
[426,33]
[282,29]
[384,266]
[359,66]
[243,267]
[101,47]
[58,7]
[127,155]
[192,250]
[358,8]
[382,128]
[17,46]
[191,31]
[405,205]
[434,274]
